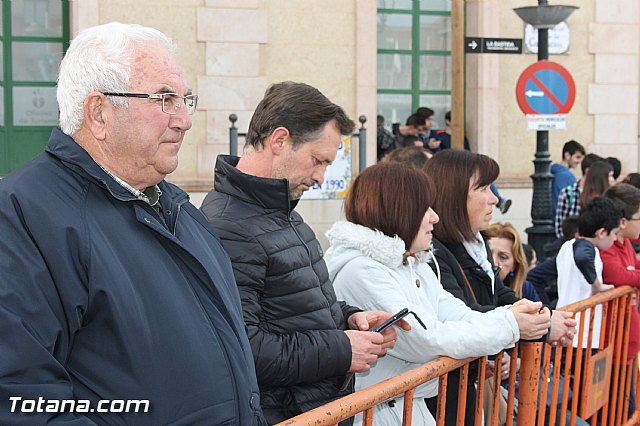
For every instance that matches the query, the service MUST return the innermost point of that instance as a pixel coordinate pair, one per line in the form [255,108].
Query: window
[34,34]
[414,58]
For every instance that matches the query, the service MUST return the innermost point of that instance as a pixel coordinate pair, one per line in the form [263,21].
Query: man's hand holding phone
[371,335]
[380,322]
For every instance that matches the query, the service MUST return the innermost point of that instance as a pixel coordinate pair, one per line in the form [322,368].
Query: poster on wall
[336,178]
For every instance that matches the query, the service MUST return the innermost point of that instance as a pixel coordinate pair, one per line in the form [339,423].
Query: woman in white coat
[377,260]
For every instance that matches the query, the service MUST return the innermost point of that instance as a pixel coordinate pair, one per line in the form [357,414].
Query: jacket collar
[384,249]
[64,148]
[264,192]
[464,259]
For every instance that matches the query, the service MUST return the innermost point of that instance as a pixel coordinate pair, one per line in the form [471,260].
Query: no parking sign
[545,92]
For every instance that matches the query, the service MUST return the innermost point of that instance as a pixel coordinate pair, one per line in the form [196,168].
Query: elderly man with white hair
[118,305]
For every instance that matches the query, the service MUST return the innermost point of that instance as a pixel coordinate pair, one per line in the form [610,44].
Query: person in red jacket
[620,265]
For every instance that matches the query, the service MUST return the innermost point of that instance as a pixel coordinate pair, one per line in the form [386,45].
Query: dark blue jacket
[445,139]
[99,299]
[562,177]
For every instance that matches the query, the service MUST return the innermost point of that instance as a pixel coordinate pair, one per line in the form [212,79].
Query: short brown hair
[392,198]
[451,171]
[626,194]
[299,108]
[410,155]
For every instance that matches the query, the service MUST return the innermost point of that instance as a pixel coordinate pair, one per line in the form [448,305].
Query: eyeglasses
[634,218]
[171,102]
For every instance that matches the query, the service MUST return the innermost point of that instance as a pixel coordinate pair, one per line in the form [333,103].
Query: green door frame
[415,91]
[18,144]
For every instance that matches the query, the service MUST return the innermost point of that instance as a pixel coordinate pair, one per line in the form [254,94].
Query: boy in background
[620,265]
[579,264]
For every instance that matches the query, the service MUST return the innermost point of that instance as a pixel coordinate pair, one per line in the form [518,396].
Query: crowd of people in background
[418,132]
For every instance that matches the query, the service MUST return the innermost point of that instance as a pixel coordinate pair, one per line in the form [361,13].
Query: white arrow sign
[533,94]
[473,44]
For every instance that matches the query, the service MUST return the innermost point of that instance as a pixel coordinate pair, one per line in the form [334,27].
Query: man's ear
[566,156]
[95,114]
[278,139]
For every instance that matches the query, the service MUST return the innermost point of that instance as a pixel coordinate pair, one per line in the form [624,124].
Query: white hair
[99,59]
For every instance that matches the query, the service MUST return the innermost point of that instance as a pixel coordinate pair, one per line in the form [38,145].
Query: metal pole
[457,74]
[362,144]
[233,135]
[542,231]
[530,355]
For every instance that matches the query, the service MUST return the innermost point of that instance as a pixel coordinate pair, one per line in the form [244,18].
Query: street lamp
[542,17]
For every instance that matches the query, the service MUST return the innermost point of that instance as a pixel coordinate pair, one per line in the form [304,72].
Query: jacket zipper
[178,209]
[308,250]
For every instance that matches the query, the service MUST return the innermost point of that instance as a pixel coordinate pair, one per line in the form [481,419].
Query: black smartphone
[379,329]
[394,319]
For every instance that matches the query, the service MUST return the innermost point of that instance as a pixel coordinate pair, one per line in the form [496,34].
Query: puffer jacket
[294,321]
[101,298]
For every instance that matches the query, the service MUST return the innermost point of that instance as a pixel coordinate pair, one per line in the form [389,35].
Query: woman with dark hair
[465,205]
[597,178]
[378,258]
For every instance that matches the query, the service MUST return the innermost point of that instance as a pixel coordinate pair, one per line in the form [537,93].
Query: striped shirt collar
[151,195]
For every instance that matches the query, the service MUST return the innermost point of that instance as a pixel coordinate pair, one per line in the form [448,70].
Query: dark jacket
[100,300]
[461,276]
[294,322]
[543,278]
[452,260]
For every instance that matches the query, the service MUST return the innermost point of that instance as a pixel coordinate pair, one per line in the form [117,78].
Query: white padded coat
[367,270]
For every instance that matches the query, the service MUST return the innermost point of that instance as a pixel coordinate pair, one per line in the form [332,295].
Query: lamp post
[542,17]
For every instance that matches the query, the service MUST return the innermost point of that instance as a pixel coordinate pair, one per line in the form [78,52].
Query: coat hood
[557,168]
[348,240]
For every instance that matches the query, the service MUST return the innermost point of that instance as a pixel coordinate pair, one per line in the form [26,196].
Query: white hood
[348,240]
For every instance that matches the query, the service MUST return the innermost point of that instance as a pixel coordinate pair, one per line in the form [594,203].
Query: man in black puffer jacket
[304,340]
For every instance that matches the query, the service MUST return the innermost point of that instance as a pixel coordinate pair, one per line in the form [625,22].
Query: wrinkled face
[480,202]
[574,160]
[422,240]
[143,140]
[305,165]
[502,256]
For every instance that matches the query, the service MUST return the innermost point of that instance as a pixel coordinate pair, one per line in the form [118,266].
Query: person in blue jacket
[118,304]
[572,155]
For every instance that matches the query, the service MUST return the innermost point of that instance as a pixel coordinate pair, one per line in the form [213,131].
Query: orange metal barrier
[535,367]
